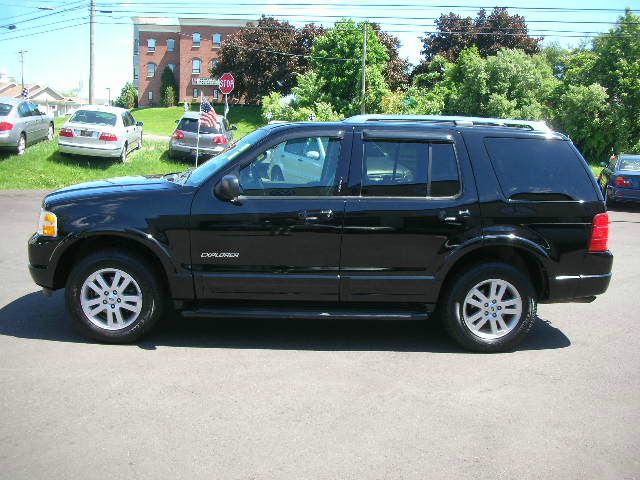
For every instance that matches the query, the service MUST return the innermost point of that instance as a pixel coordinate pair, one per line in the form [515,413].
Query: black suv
[378,217]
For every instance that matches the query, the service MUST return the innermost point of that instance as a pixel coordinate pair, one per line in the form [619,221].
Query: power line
[57,12]
[45,31]
[379,5]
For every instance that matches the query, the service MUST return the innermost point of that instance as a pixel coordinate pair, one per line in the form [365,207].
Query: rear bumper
[593,281]
[90,151]
[623,194]
[9,139]
[189,151]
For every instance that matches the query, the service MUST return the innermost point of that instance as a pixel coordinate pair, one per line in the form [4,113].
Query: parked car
[22,124]
[100,131]
[474,221]
[213,140]
[620,178]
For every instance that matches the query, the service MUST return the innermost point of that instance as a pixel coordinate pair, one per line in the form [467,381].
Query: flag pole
[198,134]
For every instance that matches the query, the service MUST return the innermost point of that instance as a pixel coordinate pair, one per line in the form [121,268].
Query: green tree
[168,90]
[128,97]
[336,69]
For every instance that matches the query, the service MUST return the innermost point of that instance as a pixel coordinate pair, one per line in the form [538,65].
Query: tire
[476,323]
[136,317]
[123,153]
[22,144]
[276,175]
[50,132]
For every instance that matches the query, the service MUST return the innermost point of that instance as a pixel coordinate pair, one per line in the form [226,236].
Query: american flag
[207,114]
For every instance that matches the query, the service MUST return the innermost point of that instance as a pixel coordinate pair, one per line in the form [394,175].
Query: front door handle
[445,217]
[315,215]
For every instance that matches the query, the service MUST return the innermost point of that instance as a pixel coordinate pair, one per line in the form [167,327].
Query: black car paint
[342,248]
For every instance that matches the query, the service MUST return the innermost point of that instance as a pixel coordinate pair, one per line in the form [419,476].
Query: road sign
[227,83]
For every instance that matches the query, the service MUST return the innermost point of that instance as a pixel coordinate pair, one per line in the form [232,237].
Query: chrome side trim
[579,277]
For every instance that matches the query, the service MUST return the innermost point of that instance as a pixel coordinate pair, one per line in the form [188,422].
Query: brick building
[189,47]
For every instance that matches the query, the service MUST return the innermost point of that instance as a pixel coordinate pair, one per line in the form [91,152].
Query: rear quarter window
[539,169]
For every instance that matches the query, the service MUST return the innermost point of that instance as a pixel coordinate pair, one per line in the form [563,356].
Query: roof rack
[537,126]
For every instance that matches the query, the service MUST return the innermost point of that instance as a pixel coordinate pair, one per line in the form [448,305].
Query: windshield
[191,125]
[94,117]
[5,109]
[211,166]
[630,163]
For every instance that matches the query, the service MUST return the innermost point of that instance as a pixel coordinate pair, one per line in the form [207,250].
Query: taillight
[5,126]
[622,182]
[66,132]
[220,139]
[599,233]
[108,137]
[178,135]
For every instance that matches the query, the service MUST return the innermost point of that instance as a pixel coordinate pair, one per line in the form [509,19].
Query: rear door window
[396,168]
[539,169]
[23,110]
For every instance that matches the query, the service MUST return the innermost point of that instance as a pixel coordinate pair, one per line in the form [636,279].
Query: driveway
[318,400]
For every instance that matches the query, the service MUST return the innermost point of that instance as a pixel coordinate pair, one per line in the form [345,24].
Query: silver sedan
[22,124]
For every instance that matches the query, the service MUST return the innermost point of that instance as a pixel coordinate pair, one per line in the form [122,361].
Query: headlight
[48,224]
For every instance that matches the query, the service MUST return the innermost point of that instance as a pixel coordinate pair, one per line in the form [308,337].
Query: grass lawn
[43,167]
[162,121]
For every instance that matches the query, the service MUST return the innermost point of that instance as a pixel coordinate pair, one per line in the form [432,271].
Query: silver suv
[21,124]
[213,141]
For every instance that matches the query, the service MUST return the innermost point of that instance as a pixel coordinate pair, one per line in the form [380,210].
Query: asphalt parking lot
[322,400]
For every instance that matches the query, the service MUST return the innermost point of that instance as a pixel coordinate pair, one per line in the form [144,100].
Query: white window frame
[217,44]
[154,70]
[193,39]
[172,67]
[150,95]
[216,94]
[193,65]
[196,94]
[151,45]
[171,45]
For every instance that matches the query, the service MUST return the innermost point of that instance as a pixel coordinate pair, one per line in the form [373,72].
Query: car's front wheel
[50,132]
[114,297]
[489,308]
[22,144]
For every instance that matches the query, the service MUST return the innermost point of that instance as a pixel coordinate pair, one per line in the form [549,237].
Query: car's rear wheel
[22,144]
[50,132]
[123,153]
[489,308]
[114,297]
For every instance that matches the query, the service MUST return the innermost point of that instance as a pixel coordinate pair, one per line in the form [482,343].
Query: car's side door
[135,128]
[414,202]
[128,128]
[28,122]
[39,121]
[281,239]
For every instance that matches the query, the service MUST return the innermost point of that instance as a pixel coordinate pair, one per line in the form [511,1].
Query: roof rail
[537,126]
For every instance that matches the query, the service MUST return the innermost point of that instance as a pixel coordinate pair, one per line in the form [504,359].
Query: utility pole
[92,41]
[22,52]
[364,65]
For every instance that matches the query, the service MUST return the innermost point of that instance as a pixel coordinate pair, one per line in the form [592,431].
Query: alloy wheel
[111,299]
[492,308]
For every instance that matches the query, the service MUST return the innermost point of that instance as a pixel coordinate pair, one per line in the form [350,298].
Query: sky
[57,39]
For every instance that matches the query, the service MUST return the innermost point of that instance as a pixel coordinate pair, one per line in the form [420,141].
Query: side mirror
[139,124]
[313,155]
[228,189]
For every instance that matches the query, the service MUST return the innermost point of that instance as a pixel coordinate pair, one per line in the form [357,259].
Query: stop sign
[226,83]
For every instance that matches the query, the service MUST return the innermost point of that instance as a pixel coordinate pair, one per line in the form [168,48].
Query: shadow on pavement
[37,317]
[628,207]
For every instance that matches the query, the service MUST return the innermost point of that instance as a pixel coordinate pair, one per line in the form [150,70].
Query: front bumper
[98,151]
[42,260]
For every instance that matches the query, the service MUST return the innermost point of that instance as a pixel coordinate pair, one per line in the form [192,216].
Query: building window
[150,95]
[171,66]
[216,40]
[135,72]
[195,66]
[136,46]
[196,93]
[215,94]
[151,45]
[214,63]
[196,39]
[171,44]
[151,70]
